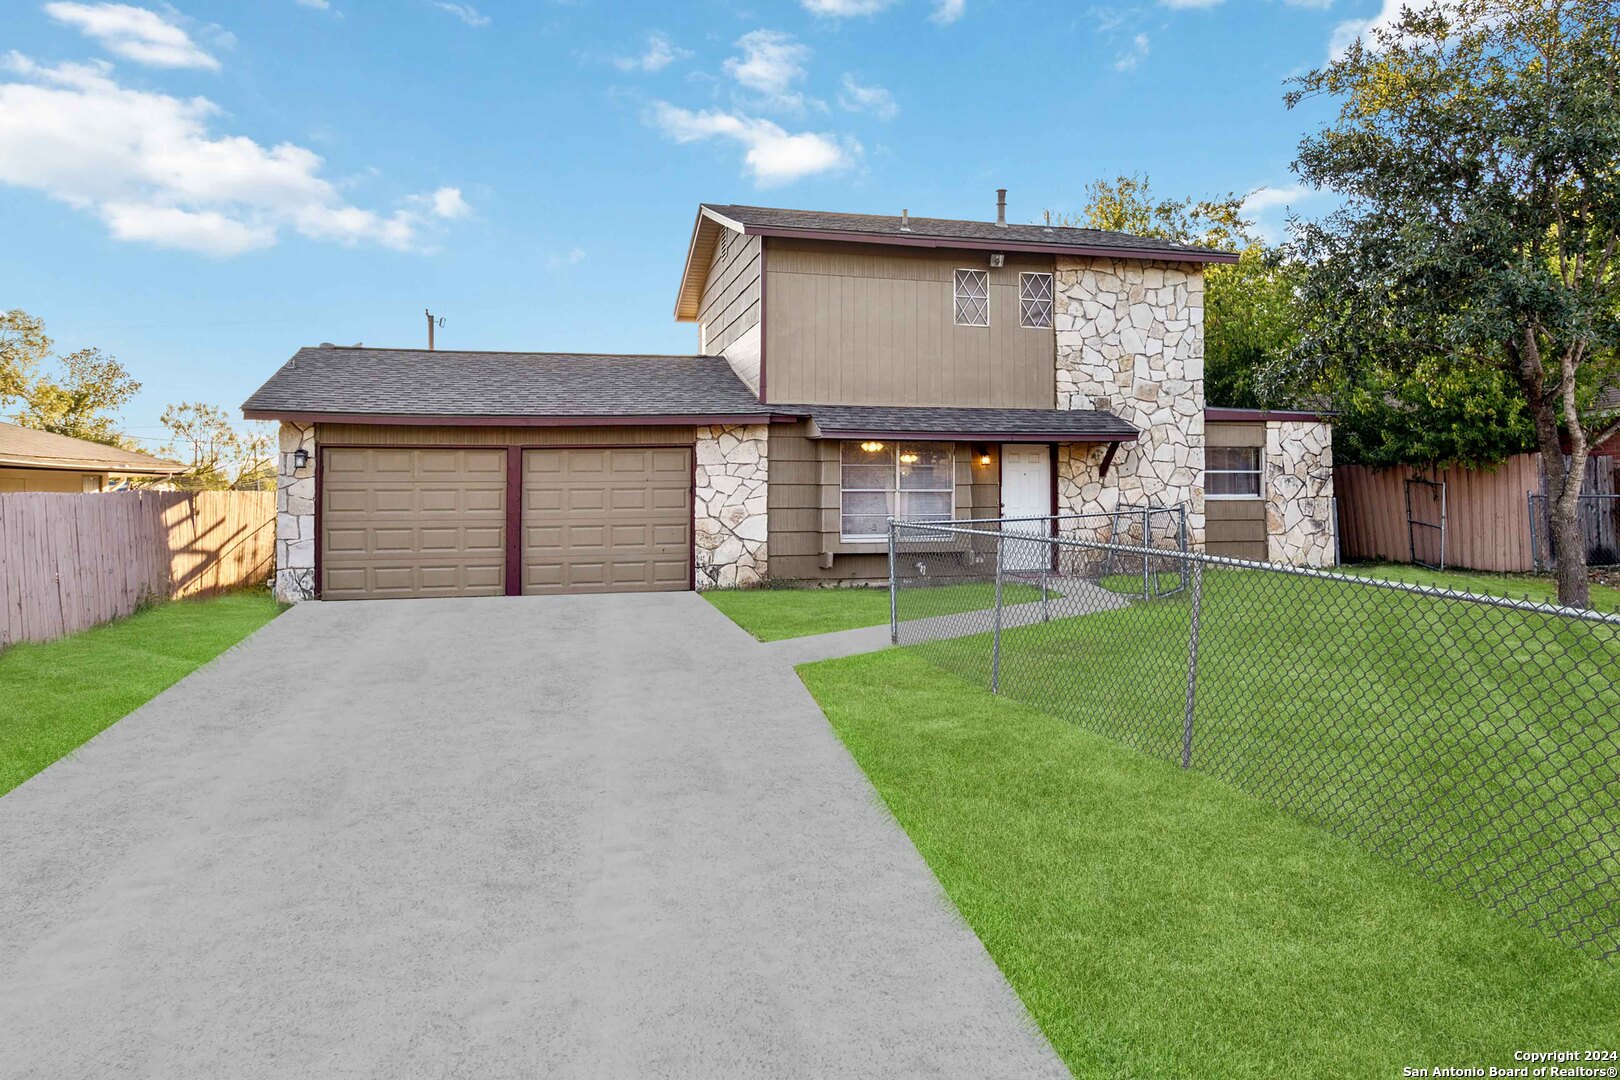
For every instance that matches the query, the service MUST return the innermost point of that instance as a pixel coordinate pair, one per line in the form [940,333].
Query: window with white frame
[1232,472]
[912,481]
[1035,300]
[972,290]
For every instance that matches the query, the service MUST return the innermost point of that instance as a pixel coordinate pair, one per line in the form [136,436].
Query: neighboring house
[33,460]
[852,367]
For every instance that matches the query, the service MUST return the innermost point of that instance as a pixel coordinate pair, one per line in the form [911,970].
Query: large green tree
[1250,322]
[1477,151]
[23,345]
[83,400]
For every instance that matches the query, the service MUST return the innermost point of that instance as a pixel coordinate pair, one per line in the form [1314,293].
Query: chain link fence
[1474,740]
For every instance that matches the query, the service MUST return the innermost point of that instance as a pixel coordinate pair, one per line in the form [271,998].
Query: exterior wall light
[871,447]
[300,458]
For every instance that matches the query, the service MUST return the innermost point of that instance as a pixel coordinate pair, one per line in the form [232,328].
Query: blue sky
[199,189]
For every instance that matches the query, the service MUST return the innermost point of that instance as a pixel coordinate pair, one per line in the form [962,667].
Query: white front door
[1026,492]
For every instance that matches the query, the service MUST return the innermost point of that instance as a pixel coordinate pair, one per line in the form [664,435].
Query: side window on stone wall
[1035,301]
[1232,472]
[972,290]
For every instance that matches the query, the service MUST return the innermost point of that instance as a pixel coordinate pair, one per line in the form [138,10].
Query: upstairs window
[972,289]
[1035,301]
[1232,472]
[881,479]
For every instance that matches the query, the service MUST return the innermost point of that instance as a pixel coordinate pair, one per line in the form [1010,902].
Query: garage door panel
[412,522]
[615,520]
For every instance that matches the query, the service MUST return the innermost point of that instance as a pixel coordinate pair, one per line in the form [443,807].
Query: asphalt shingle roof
[1054,424]
[416,382]
[881,226]
[45,449]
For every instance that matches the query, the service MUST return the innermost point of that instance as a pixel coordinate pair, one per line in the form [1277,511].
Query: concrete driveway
[543,837]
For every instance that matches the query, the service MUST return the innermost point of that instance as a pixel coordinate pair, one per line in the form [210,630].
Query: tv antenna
[432,322]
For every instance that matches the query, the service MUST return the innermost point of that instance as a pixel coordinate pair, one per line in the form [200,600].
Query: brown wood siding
[1235,528]
[863,324]
[58,480]
[1487,518]
[731,298]
[413,435]
[803,501]
[1219,434]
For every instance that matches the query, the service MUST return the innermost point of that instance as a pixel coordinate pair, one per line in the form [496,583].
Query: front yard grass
[1535,587]
[57,695]
[775,614]
[1157,922]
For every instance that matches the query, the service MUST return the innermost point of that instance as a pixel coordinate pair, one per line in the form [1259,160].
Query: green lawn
[55,696]
[1519,586]
[1159,923]
[1472,742]
[774,614]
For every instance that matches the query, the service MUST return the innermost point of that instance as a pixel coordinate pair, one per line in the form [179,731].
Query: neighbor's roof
[1000,425]
[922,232]
[331,382]
[27,448]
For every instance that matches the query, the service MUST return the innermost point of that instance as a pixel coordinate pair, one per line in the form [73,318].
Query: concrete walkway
[543,837]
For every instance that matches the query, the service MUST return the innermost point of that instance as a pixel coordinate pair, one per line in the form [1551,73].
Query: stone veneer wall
[728,509]
[1299,493]
[295,516]
[1130,340]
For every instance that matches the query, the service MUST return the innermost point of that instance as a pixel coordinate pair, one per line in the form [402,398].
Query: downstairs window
[1232,472]
[906,480]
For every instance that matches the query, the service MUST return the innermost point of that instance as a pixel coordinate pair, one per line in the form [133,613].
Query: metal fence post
[1197,590]
[894,589]
[995,644]
[1147,533]
[1181,541]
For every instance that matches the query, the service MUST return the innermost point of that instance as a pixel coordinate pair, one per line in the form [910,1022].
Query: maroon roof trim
[1090,250]
[401,419]
[971,436]
[1220,413]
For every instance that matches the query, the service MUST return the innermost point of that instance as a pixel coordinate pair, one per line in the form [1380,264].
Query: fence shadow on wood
[70,562]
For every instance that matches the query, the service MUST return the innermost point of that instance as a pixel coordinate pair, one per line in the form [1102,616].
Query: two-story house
[850,367]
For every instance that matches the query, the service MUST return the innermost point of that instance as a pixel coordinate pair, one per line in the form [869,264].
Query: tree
[222,455]
[1250,320]
[23,345]
[83,402]
[1477,150]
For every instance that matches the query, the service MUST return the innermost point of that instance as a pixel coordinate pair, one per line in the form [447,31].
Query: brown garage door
[401,522]
[607,520]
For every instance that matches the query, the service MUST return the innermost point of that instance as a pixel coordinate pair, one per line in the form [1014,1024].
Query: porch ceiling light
[908,459]
[871,447]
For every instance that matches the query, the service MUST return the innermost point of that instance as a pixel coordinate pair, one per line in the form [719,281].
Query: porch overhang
[965,424]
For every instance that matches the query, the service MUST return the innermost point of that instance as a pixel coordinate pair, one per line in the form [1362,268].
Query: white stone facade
[733,464]
[295,516]
[1299,493]
[1130,341]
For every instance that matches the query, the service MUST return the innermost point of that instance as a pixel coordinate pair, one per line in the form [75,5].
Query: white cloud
[947,11]
[574,257]
[149,167]
[844,9]
[772,155]
[1346,33]
[318,5]
[857,97]
[135,34]
[1133,55]
[466,13]
[1184,5]
[1261,203]
[448,204]
[659,54]
[1315,5]
[771,63]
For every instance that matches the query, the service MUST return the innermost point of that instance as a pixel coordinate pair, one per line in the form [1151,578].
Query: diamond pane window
[1035,300]
[972,298]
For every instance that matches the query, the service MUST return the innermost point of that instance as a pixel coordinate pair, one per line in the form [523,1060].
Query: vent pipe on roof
[1001,207]
[905,221]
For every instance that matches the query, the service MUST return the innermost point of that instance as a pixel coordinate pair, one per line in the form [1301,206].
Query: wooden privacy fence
[69,562]
[1487,513]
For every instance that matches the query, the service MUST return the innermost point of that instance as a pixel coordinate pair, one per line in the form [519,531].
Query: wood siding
[413,435]
[862,324]
[731,304]
[51,480]
[69,562]
[804,497]
[1487,517]
[1236,528]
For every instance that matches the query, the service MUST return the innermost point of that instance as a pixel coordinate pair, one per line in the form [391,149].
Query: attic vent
[725,244]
